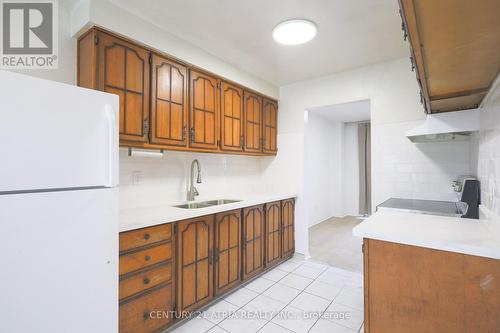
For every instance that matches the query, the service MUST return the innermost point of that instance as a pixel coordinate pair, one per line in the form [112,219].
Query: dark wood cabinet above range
[455,49]
[168,104]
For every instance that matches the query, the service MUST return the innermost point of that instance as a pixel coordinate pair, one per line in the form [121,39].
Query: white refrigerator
[58,207]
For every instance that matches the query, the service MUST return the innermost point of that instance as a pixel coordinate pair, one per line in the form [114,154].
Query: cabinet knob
[147,236]
[146,281]
[146,315]
[147,258]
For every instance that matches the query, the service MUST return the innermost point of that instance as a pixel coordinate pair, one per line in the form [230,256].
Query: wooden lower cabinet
[149,313]
[414,289]
[147,283]
[288,227]
[195,262]
[183,266]
[273,233]
[227,250]
[253,241]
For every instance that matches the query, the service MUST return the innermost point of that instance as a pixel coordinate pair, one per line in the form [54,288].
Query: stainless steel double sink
[205,204]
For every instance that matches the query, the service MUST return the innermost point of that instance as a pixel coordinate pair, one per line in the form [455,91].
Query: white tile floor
[297,296]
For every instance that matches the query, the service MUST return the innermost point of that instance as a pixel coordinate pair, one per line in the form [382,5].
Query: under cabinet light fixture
[137,152]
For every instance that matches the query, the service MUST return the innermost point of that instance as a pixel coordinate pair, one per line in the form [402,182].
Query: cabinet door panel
[204,111]
[253,240]
[288,227]
[195,267]
[124,70]
[140,315]
[253,122]
[273,233]
[270,126]
[169,108]
[232,122]
[227,250]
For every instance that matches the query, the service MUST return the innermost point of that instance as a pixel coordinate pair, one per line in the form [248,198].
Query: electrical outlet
[137,177]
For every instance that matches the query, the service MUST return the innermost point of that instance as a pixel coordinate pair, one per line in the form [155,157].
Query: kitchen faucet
[192,192]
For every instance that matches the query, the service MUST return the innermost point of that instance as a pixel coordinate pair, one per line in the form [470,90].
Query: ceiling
[345,112]
[351,33]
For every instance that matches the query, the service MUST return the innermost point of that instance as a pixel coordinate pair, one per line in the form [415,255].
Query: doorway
[337,184]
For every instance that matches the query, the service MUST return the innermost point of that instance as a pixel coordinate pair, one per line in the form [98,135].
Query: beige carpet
[332,242]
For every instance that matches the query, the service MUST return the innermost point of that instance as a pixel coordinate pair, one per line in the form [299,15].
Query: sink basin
[193,205]
[204,204]
[220,202]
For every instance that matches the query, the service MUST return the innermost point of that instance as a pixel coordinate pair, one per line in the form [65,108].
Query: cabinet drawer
[133,239]
[148,313]
[144,258]
[145,280]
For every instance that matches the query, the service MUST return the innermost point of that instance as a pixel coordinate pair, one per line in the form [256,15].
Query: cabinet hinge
[241,141]
[175,229]
[191,135]
[150,59]
[146,127]
[96,39]
[184,132]
[363,248]
[216,254]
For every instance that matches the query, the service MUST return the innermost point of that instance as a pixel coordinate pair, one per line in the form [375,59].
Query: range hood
[449,126]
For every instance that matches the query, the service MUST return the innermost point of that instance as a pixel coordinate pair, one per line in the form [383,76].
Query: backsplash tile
[165,179]
[403,169]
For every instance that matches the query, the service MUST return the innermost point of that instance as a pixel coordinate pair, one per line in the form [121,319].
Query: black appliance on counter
[471,195]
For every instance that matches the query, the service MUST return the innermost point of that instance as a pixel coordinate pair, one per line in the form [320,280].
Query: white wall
[489,151]
[105,14]
[394,101]
[350,170]
[322,152]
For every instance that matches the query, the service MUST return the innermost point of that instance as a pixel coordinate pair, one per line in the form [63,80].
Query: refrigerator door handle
[113,145]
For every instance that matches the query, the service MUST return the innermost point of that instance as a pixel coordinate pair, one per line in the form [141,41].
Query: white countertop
[135,218]
[473,237]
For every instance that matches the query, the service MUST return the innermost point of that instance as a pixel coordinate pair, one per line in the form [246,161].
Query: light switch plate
[137,177]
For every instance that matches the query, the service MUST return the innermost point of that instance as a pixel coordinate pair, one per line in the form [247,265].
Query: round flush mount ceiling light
[294,32]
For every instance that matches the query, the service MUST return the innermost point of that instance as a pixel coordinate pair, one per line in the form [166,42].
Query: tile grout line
[261,293]
[288,304]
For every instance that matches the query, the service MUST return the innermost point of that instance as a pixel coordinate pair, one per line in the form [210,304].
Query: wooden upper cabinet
[273,232]
[253,241]
[227,250]
[204,111]
[270,126]
[231,117]
[288,227]
[195,262]
[86,74]
[124,71]
[165,104]
[252,122]
[455,47]
[169,102]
